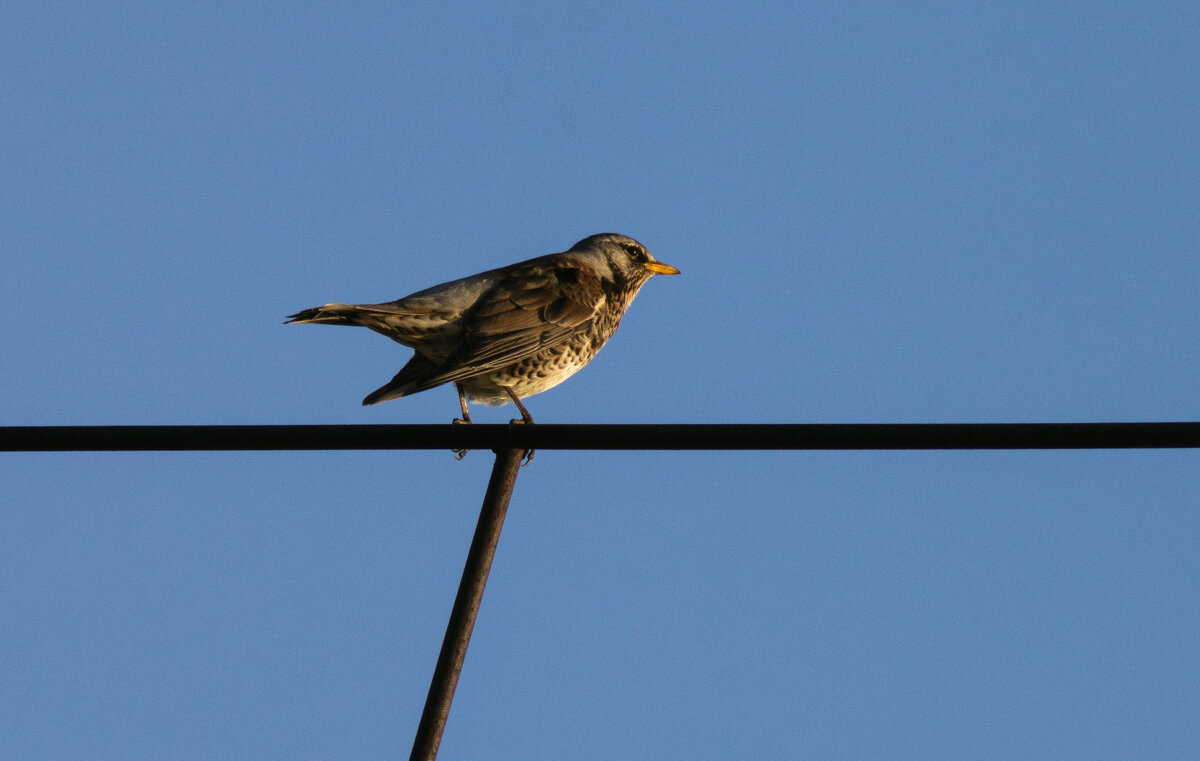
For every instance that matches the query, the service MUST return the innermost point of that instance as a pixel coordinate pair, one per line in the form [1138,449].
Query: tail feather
[328,314]
[411,378]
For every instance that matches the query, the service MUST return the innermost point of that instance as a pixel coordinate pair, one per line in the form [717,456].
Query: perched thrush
[507,333]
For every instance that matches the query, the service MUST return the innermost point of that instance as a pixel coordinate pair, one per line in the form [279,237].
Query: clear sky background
[925,212]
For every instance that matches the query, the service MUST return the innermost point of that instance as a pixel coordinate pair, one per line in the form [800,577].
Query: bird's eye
[635,252]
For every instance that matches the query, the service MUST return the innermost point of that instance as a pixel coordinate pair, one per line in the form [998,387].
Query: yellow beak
[660,268]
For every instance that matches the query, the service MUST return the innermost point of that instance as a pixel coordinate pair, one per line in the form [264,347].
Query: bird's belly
[530,376]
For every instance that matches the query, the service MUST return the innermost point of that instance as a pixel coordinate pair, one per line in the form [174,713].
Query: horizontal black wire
[738,436]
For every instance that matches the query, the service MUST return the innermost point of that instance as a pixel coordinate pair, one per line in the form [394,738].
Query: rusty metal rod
[466,605]
[737,436]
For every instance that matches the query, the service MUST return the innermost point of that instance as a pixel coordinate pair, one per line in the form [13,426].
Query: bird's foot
[527,455]
[461,453]
[526,419]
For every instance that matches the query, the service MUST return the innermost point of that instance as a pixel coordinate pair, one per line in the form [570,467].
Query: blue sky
[940,212]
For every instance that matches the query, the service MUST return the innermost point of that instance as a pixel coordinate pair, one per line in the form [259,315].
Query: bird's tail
[345,314]
[411,377]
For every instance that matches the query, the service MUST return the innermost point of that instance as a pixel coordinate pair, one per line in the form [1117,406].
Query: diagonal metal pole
[466,605]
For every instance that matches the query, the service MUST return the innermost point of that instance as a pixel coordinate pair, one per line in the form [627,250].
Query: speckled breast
[547,368]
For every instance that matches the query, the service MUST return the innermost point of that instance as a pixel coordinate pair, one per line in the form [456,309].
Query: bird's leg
[462,402]
[525,418]
[464,420]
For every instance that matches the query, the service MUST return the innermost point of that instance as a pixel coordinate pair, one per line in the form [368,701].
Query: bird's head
[627,262]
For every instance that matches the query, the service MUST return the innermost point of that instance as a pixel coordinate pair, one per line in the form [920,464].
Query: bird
[508,333]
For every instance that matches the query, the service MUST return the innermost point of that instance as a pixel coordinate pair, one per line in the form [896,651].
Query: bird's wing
[536,305]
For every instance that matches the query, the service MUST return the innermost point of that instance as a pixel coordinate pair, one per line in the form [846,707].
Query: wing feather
[536,306]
